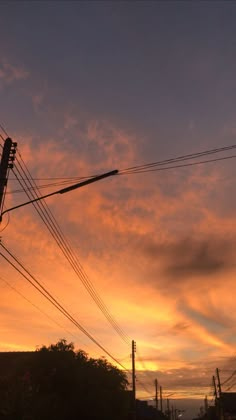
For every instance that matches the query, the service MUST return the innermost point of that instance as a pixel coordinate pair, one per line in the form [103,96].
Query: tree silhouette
[57,382]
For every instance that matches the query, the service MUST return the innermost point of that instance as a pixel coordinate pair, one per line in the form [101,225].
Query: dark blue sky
[163,70]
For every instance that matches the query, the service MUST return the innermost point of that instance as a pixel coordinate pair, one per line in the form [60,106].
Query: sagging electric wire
[35,306]
[230,387]
[59,237]
[6,225]
[229,378]
[178,166]
[145,372]
[148,391]
[44,186]
[139,169]
[54,234]
[145,167]
[43,291]
[4,131]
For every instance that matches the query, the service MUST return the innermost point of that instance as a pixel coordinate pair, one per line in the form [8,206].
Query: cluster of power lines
[29,186]
[230,382]
[183,161]
[217,386]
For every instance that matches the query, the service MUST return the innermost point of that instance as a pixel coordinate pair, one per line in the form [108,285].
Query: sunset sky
[88,87]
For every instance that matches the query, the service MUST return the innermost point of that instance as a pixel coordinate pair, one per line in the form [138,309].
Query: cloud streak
[10,73]
[191,257]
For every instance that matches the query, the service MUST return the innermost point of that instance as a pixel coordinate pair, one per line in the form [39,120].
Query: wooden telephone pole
[168,408]
[221,408]
[133,379]
[156,394]
[8,157]
[161,407]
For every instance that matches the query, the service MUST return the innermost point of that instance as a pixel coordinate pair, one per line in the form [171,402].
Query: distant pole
[218,379]
[168,408]
[214,384]
[156,394]
[8,156]
[172,412]
[206,404]
[133,379]
[161,398]
[221,408]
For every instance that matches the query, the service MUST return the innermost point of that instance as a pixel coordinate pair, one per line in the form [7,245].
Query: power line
[35,306]
[230,387]
[8,221]
[144,386]
[191,156]
[176,166]
[2,138]
[228,379]
[136,170]
[55,230]
[48,218]
[147,167]
[45,313]
[3,129]
[44,186]
[145,371]
[154,166]
[43,291]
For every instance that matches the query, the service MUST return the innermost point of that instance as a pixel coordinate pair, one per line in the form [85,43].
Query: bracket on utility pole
[63,190]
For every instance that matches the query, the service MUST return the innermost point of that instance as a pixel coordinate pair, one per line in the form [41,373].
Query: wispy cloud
[10,73]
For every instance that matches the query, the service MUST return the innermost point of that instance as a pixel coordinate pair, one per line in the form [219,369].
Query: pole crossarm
[63,190]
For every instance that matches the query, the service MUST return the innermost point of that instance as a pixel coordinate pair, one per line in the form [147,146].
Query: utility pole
[133,379]
[218,378]
[176,415]
[172,412]
[168,408]
[8,157]
[214,385]
[206,405]
[161,398]
[221,408]
[156,394]
[169,413]
[216,394]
